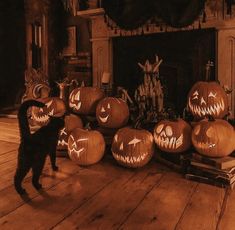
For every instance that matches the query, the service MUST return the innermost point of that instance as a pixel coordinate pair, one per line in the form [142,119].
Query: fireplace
[184,51]
[184,57]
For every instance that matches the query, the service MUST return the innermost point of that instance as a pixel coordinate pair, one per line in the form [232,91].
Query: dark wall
[12,50]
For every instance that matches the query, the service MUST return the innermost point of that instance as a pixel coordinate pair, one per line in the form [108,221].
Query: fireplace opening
[184,55]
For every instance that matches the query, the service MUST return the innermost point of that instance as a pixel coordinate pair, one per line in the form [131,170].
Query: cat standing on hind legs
[35,147]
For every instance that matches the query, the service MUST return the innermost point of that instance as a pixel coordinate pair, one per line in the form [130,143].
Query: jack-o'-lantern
[213,138]
[83,100]
[86,147]
[132,147]
[207,99]
[112,112]
[54,107]
[173,136]
[72,121]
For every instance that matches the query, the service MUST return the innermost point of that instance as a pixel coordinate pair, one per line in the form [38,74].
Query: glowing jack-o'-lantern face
[83,100]
[54,107]
[71,122]
[132,148]
[207,98]
[112,112]
[173,136]
[85,147]
[213,138]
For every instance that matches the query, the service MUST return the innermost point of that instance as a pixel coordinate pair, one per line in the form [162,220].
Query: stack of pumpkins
[211,135]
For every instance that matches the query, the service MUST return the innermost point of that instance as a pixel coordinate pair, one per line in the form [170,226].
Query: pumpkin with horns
[132,147]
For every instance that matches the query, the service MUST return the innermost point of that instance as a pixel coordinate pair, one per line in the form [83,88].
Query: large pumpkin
[54,107]
[173,136]
[132,147]
[207,99]
[72,121]
[86,147]
[83,100]
[112,112]
[214,138]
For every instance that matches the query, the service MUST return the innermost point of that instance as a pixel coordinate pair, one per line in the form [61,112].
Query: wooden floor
[107,196]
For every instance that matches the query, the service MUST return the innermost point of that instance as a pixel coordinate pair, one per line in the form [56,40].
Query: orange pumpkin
[173,136]
[214,138]
[112,112]
[86,147]
[132,147]
[72,121]
[54,107]
[207,99]
[83,100]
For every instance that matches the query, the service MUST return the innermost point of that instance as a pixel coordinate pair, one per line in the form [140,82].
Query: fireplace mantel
[102,52]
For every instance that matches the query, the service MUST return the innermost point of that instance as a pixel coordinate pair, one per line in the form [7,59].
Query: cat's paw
[55,168]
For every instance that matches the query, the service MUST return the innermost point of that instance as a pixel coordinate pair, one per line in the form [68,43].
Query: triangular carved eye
[102,109]
[121,146]
[211,94]
[48,104]
[116,138]
[108,106]
[197,130]
[159,128]
[77,96]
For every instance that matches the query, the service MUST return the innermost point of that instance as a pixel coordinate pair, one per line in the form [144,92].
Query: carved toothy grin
[104,119]
[210,110]
[75,106]
[76,97]
[205,145]
[130,159]
[76,153]
[43,118]
[168,142]
[62,143]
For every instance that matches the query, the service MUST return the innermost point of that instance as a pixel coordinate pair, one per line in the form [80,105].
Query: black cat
[35,147]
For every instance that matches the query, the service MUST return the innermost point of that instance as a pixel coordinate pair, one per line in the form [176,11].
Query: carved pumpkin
[214,138]
[173,136]
[207,98]
[83,100]
[132,147]
[86,147]
[54,107]
[112,112]
[71,122]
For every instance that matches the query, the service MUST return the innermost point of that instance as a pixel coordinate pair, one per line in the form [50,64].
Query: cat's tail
[23,116]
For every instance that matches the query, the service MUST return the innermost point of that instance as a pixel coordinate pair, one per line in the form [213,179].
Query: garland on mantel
[131,14]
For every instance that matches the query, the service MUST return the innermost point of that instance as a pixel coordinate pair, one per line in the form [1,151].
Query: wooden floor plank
[50,207]
[203,210]
[109,208]
[163,206]
[7,146]
[227,218]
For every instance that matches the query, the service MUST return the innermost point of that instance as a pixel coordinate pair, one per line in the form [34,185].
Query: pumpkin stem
[137,123]
[210,118]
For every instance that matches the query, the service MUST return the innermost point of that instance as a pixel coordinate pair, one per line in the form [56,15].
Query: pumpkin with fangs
[54,107]
[207,99]
[86,147]
[214,138]
[173,136]
[72,121]
[112,112]
[83,100]
[132,147]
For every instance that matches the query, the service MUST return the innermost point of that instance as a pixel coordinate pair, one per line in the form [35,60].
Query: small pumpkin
[173,136]
[83,100]
[72,121]
[207,99]
[132,147]
[213,138]
[112,112]
[54,107]
[86,147]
